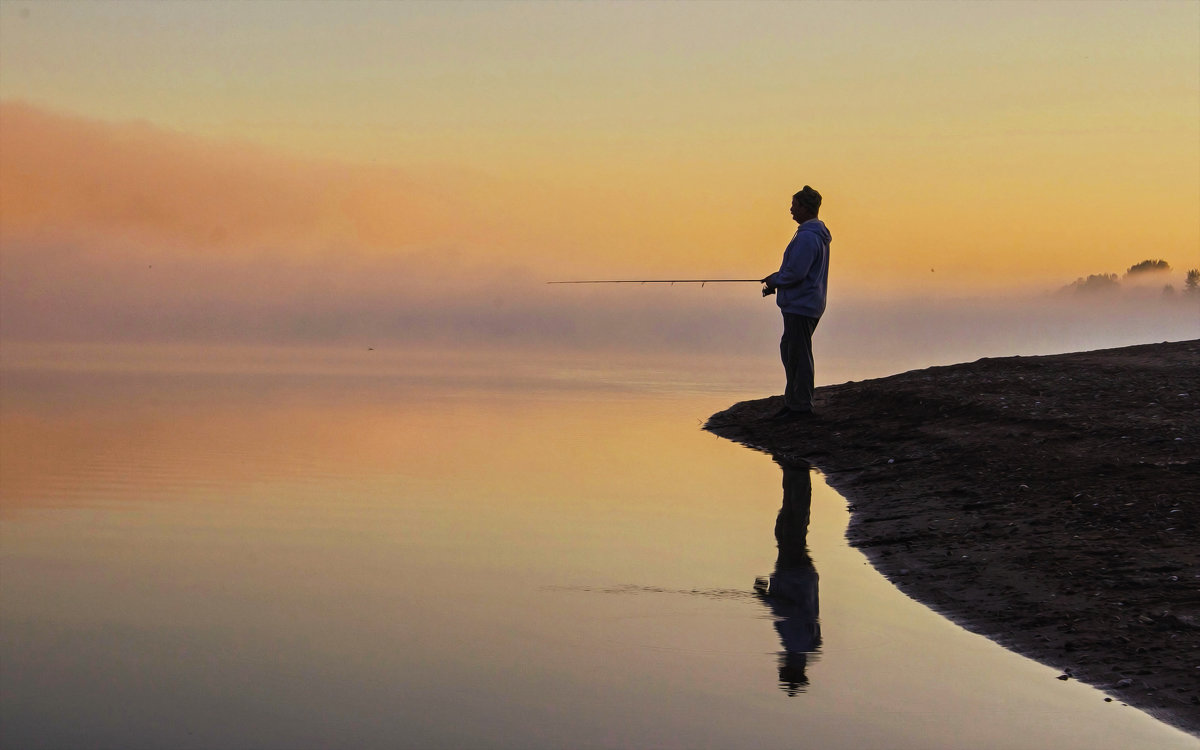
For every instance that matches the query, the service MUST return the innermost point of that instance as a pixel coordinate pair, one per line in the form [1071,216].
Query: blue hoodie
[804,273]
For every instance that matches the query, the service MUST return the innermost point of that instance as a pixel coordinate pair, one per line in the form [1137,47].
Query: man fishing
[799,288]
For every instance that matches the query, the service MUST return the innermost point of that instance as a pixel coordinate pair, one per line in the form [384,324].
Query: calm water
[270,559]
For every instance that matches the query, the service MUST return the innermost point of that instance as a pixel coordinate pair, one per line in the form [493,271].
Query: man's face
[799,212]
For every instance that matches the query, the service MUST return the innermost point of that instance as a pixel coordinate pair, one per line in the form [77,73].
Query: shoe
[792,415]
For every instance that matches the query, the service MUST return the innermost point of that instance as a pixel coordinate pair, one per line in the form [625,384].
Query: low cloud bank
[896,335]
[127,234]
[66,293]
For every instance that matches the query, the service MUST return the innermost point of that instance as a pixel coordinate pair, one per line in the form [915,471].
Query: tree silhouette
[1146,266]
[1095,283]
[1137,275]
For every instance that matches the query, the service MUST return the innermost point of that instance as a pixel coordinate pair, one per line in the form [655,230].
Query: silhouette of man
[799,288]
[791,591]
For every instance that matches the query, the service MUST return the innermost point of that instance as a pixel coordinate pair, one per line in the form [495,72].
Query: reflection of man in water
[791,592]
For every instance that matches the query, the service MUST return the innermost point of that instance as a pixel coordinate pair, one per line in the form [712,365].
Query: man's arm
[798,259]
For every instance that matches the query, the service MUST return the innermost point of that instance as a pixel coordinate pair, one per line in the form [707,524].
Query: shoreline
[1049,503]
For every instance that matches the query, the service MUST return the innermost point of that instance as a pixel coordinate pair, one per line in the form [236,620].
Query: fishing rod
[701,282]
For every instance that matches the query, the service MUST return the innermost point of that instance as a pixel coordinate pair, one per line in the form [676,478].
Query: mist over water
[911,334]
[385,306]
[136,234]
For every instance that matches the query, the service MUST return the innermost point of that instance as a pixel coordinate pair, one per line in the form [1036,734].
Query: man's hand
[768,288]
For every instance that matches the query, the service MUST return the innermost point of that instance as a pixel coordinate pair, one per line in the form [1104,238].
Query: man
[799,289]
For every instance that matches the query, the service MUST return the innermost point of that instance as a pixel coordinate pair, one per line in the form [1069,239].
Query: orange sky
[1013,145]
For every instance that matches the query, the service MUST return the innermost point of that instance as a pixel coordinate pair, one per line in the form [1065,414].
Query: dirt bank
[1050,503]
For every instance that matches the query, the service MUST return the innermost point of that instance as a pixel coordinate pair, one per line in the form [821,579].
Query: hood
[817,227]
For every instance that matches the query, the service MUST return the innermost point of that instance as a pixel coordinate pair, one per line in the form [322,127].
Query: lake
[302,551]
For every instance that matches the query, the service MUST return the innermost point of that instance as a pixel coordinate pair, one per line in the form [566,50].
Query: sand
[1050,503]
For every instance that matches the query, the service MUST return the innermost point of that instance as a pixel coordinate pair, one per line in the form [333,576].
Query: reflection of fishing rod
[701,282]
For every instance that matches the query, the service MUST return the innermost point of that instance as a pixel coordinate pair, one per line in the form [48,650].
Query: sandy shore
[1050,503]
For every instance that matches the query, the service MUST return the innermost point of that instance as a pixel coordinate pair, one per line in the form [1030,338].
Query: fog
[132,235]
[64,293]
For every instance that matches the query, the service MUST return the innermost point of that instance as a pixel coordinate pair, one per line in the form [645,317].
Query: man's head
[805,205]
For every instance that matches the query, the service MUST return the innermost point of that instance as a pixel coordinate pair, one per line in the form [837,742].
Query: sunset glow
[322,425]
[270,151]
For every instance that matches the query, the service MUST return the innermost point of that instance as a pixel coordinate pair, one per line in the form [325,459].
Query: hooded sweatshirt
[804,273]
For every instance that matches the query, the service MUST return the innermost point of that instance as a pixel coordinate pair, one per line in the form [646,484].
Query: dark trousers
[795,349]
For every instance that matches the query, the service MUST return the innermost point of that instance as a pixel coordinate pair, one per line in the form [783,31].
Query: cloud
[73,178]
[127,232]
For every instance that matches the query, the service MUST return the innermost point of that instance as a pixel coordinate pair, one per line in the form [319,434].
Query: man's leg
[795,348]
[785,354]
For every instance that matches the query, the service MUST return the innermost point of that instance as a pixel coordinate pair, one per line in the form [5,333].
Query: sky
[351,171]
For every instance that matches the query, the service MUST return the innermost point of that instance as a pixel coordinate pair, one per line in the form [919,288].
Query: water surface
[267,559]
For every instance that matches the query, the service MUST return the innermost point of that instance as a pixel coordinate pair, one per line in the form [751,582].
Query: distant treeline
[1145,270]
